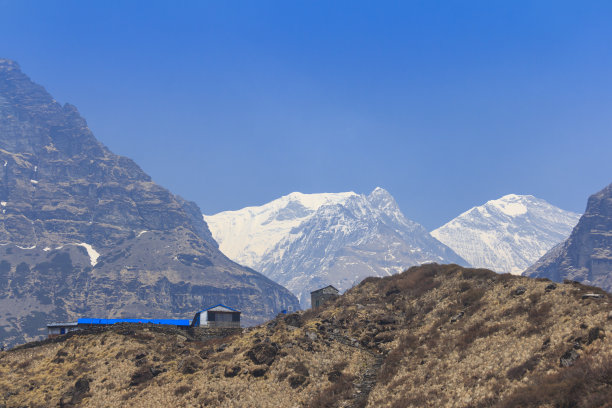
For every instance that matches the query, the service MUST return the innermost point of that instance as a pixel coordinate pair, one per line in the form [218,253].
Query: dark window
[62,330]
[235,317]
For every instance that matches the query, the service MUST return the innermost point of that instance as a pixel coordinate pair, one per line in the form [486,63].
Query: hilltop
[435,335]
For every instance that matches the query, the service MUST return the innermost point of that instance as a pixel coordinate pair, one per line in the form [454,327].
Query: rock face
[308,241]
[508,234]
[86,232]
[586,256]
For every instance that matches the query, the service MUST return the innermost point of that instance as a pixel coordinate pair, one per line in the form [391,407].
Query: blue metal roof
[170,322]
[220,304]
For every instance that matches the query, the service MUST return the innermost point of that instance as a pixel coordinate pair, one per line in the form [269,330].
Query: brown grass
[586,384]
[505,350]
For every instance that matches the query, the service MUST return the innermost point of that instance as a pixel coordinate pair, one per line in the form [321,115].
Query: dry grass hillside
[432,336]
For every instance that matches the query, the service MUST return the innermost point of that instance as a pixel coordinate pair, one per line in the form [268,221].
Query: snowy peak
[246,235]
[306,241]
[381,199]
[507,234]
[511,205]
[384,202]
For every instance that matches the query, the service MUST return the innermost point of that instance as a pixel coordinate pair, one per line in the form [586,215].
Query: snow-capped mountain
[306,241]
[508,234]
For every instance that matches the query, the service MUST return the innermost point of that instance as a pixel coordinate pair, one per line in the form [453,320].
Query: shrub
[518,372]
[586,384]
[337,391]
[394,359]
[412,282]
[464,286]
[480,274]
[475,331]
[594,334]
[538,315]
[183,389]
[472,297]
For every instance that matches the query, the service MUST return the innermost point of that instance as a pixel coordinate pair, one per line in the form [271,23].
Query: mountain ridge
[334,238]
[586,255]
[65,197]
[507,234]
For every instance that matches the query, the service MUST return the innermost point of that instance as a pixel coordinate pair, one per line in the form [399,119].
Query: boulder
[230,372]
[263,353]
[259,371]
[190,365]
[592,296]
[457,317]
[569,358]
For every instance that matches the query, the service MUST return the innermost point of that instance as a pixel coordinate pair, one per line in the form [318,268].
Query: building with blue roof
[167,322]
[218,316]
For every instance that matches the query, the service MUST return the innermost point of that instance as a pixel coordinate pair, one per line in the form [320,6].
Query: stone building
[320,296]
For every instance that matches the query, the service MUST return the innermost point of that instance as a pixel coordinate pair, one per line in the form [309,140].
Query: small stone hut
[320,296]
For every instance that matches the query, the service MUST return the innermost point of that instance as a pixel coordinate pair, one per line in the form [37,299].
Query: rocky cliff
[86,232]
[586,256]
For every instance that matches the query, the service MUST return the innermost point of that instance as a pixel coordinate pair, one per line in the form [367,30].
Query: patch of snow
[46,249]
[141,232]
[34,181]
[509,204]
[3,203]
[93,254]
[32,247]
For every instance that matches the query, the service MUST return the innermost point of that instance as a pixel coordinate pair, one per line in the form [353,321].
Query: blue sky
[446,104]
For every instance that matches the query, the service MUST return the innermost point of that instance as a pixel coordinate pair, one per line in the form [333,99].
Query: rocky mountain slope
[586,256]
[86,232]
[508,234]
[440,336]
[306,241]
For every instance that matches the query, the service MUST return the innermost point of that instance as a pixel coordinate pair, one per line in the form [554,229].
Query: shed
[320,296]
[323,295]
[56,329]
[217,316]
